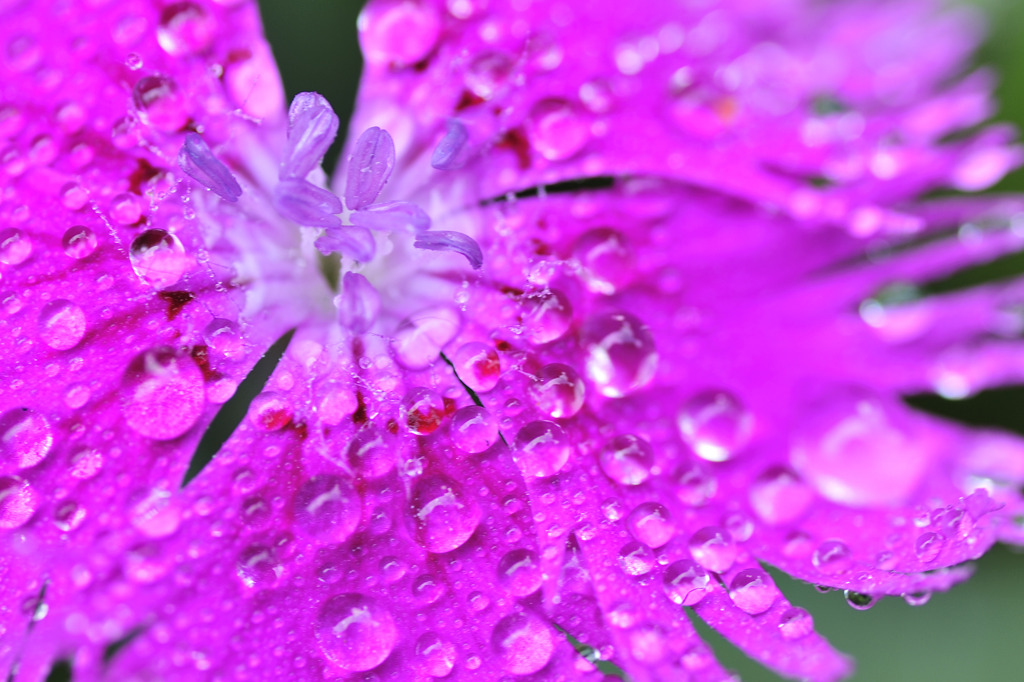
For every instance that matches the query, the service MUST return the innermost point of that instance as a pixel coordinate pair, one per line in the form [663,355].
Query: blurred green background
[975,632]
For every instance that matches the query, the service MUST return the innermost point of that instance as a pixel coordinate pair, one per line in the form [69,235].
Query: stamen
[369,168]
[392,216]
[312,127]
[448,153]
[358,303]
[452,241]
[197,160]
[306,204]
[351,240]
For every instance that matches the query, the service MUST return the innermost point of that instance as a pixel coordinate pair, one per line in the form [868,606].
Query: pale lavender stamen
[306,204]
[351,240]
[452,241]
[312,127]
[369,168]
[358,303]
[392,216]
[197,160]
[448,152]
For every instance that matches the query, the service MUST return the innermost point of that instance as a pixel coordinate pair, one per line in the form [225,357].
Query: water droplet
[15,247]
[474,429]
[328,506]
[338,402]
[399,32]
[427,589]
[222,336]
[156,513]
[605,260]
[929,546]
[488,73]
[712,547]
[162,394]
[636,559]
[859,600]
[917,598]
[558,129]
[158,258]
[160,103]
[422,411]
[651,524]
[355,633]
[558,391]
[73,196]
[693,485]
[18,501]
[79,242]
[369,455]
[519,571]
[832,557]
[541,449]
[715,425]
[435,656]
[392,569]
[26,437]
[125,209]
[185,28]
[444,517]
[686,583]
[627,459]
[61,324]
[522,643]
[620,354]
[257,567]
[778,496]
[420,338]
[134,61]
[86,463]
[68,516]
[795,623]
[753,591]
[478,366]
[546,316]
[270,411]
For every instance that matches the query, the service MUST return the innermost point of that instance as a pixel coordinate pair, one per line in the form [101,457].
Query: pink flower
[627,300]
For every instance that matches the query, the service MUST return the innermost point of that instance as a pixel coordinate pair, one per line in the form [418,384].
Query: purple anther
[358,303]
[452,241]
[197,160]
[306,204]
[448,152]
[350,240]
[312,127]
[392,216]
[369,168]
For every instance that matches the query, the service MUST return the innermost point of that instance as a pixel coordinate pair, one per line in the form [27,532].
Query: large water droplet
[355,633]
[158,258]
[328,506]
[651,524]
[420,338]
[474,429]
[715,425]
[15,247]
[620,353]
[162,394]
[442,514]
[627,459]
[636,558]
[713,548]
[546,316]
[929,546]
[779,496]
[79,242]
[258,567]
[605,260]
[422,411]
[61,324]
[558,391]
[795,623]
[18,501]
[522,643]
[478,366]
[519,571]
[686,583]
[160,104]
[558,129]
[435,656]
[541,449]
[753,591]
[370,455]
[185,28]
[859,600]
[26,437]
[399,32]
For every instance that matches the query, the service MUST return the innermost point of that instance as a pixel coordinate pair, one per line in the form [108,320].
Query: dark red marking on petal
[176,300]
[515,140]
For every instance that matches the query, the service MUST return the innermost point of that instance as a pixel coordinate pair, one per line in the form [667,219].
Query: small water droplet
[398,32]
[859,600]
[686,583]
[418,341]
[715,425]
[541,449]
[474,429]
[546,316]
[795,623]
[434,656]
[779,496]
[519,571]
[125,209]
[355,632]
[73,196]
[158,258]
[61,324]
[258,567]
[917,598]
[605,260]
[79,242]
[488,73]
[222,336]
[636,559]
[693,485]
[651,524]
[422,411]
[427,589]
[162,395]
[18,501]
[160,104]
[478,366]
[15,247]
[929,546]
[269,411]
[68,516]
[328,506]
[712,547]
[522,643]
[627,459]
[620,354]
[26,437]
[185,28]
[832,557]
[134,61]
[558,391]
[444,516]
[558,129]
[753,591]
[369,454]
[86,463]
